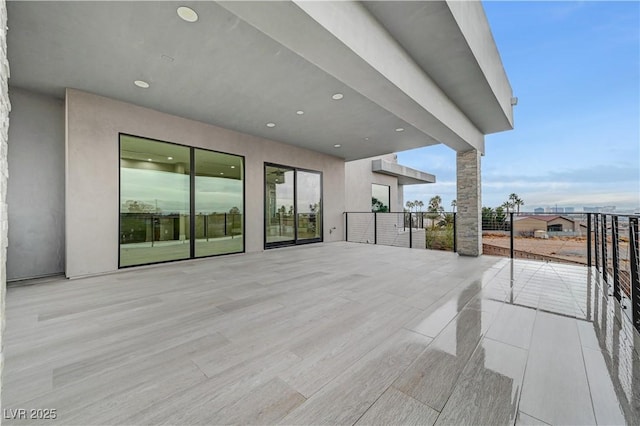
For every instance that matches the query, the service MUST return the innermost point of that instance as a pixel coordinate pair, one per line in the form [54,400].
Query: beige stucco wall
[358,180]
[92,165]
[529,224]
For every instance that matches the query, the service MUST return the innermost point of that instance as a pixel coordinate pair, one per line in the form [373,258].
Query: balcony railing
[610,243]
[415,230]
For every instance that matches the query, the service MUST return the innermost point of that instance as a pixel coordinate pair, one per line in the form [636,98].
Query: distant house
[538,210]
[548,223]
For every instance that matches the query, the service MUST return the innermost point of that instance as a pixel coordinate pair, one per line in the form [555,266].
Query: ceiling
[218,70]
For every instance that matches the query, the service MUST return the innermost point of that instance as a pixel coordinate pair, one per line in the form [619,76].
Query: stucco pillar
[5,107]
[469,203]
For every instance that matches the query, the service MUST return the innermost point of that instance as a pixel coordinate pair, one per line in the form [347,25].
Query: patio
[337,333]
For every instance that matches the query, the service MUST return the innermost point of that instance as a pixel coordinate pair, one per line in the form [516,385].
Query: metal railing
[405,229]
[608,242]
[613,248]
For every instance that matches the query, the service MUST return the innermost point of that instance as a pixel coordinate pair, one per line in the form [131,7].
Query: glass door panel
[309,205]
[154,201]
[219,203]
[279,205]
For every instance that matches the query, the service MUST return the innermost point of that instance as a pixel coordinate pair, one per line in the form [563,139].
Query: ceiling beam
[346,41]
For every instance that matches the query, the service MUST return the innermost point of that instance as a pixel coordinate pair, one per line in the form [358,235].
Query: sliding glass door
[293,206]
[178,202]
[154,201]
[279,211]
[308,202]
[218,203]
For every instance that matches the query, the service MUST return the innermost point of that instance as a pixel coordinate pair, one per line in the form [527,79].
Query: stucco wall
[358,180]
[529,224]
[36,188]
[92,163]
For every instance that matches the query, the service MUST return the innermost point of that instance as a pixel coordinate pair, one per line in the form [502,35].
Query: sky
[575,68]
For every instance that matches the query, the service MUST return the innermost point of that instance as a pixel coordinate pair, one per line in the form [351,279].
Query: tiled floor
[335,333]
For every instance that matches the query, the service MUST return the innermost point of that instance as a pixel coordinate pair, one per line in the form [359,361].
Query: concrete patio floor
[338,333]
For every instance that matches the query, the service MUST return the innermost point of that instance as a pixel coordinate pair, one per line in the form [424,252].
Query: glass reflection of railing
[153,228]
[309,225]
[218,225]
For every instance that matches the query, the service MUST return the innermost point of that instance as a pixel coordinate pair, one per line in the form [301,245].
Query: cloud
[592,174]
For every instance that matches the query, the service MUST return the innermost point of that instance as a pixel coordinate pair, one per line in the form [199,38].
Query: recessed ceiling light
[337,96]
[169,158]
[277,180]
[399,129]
[187,14]
[366,139]
[337,145]
[271,124]
[142,84]
[221,173]
[149,159]
[233,167]
[299,112]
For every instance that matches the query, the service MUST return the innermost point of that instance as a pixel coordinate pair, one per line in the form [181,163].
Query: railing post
[596,248]
[375,227]
[634,259]
[346,226]
[603,234]
[614,252]
[589,240]
[410,233]
[455,234]
[511,234]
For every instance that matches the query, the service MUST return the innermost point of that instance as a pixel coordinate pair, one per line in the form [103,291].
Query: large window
[293,206]
[178,202]
[380,198]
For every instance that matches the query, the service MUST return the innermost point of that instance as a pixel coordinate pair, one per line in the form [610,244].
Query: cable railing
[406,229]
[608,242]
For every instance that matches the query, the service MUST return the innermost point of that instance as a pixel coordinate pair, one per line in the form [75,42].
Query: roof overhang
[429,68]
[405,175]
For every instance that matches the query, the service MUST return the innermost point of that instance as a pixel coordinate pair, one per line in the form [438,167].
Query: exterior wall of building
[567,225]
[5,107]
[358,180]
[36,188]
[92,166]
[529,224]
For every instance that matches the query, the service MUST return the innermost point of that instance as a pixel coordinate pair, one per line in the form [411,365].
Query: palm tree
[516,201]
[410,205]
[435,204]
[420,204]
[506,205]
[519,202]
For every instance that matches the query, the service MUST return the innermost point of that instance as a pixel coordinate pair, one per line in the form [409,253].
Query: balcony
[338,333]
